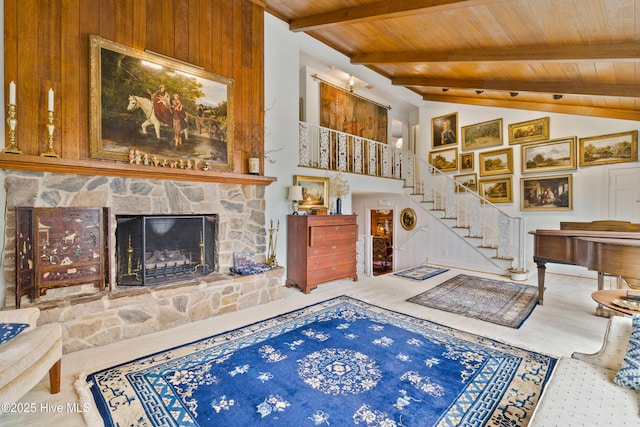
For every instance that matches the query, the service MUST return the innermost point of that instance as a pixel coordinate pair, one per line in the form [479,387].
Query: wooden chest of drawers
[320,248]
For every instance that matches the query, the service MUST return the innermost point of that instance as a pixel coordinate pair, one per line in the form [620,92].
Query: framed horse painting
[152,110]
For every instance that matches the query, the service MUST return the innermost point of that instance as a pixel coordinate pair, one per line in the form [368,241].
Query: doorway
[382,245]
[624,194]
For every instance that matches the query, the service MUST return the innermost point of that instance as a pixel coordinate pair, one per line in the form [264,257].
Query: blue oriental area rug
[336,363]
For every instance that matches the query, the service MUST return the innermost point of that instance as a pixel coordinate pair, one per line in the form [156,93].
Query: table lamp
[295,195]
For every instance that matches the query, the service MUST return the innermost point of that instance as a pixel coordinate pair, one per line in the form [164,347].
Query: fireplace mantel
[100,167]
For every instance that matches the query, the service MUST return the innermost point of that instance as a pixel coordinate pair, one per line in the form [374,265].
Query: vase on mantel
[338,206]
[254,166]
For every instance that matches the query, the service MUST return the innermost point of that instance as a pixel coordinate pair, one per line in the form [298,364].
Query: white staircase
[497,236]
[494,234]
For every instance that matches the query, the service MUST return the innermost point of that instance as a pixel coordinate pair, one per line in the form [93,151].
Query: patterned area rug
[340,362]
[421,272]
[495,301]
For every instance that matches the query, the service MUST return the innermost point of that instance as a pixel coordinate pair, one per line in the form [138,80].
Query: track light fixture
[557,96]
[513,94]
[479,91]
[445,89]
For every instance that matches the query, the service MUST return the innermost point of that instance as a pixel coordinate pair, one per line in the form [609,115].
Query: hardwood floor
[564,324]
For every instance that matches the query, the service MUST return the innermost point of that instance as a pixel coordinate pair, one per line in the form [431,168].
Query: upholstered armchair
[26,358]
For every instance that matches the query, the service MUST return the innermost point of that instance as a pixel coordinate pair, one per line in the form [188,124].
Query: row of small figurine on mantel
[138,158]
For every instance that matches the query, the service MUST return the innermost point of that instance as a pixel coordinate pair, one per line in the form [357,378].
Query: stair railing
[325,148]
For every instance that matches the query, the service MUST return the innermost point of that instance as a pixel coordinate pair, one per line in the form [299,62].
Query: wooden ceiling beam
[375,11]
[610,113]
[560,88]
[627,52]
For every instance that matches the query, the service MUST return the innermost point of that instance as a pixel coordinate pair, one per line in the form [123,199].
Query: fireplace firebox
[154,249]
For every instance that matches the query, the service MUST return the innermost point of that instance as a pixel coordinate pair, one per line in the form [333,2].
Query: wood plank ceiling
[566,56]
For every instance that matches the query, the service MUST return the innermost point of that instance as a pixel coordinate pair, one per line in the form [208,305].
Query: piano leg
[541,271]
[601,310]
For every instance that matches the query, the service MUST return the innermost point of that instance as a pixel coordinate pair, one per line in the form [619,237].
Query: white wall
[286,81]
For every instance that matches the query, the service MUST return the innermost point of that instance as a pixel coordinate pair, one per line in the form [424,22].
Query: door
[624,194]
[382,243]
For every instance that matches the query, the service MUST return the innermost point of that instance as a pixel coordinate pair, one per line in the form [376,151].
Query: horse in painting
[144,104]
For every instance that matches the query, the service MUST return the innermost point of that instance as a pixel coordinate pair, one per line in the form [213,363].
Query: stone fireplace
[154,249]
[91,317]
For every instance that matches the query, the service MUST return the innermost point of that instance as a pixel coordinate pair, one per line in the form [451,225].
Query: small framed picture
[408,219]
[605,149]
[486,134]
[529,131]
[546,193]
[496,162]
[465,182]
[496,190]
[445,160]
[444,130]
[315,192]
[466,162]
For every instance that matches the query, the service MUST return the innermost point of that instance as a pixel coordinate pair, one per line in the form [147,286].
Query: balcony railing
[459,207]
[326,148]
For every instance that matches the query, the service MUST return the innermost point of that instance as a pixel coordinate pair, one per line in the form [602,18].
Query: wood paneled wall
[47,46]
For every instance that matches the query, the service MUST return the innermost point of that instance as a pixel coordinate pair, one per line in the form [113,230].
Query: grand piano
[608,247]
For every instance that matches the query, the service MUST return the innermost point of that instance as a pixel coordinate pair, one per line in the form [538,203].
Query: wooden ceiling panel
[586,50]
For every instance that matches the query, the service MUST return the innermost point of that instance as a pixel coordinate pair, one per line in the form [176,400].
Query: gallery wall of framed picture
[482,160]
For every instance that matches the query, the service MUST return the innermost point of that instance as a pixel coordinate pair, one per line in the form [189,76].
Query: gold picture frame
[466,182]
[466,162]
[496,162]
[408,219]
[126,84]
[444,160]
[529,131]
[559,154]
[496,190]
[480,135]
[444,131]
[619,147]
[547,193]
[315,192]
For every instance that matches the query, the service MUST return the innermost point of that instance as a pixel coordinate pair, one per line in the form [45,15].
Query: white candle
[50,99]
[12,93]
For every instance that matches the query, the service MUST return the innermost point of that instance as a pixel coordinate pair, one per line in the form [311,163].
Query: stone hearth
[92,318]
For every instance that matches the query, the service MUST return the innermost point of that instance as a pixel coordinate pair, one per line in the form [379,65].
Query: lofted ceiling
[565,56]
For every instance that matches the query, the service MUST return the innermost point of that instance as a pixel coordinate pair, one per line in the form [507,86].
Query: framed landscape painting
[315,192]
[559,154]
[445,160]
[496,162]
[605,149]
[468,180]
[496,190]
[547,193]
[529,131]
[157,107]
[481,135]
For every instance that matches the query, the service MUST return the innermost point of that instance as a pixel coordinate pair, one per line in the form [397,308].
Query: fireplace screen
[153,249]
